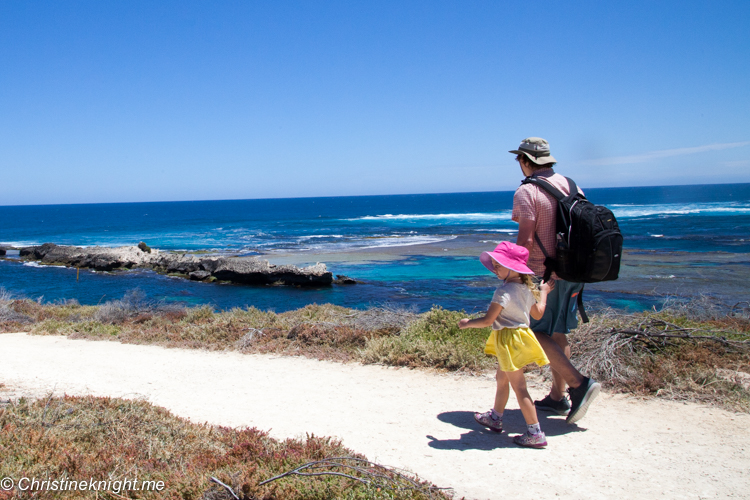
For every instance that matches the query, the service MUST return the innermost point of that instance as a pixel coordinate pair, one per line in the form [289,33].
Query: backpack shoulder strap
[573,188]
[546,186]
[581,310]
[549,263]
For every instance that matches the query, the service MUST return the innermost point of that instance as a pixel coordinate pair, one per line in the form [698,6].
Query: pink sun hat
[508,255]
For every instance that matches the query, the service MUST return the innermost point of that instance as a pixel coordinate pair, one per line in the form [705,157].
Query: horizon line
[351,196]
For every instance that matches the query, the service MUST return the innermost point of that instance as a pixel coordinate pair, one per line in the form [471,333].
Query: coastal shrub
[389,318]
[67,312]
[94,329]
[78,438]
[9,316]
[80,329]
[328,313]
[433,340]
[198,314]
[685,351]
[52,327]
[14,312]
[317,341]
[252,317]
[132,304]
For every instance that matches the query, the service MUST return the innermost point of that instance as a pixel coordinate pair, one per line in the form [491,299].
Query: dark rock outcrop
[342,279]
[199,275]
[247,270]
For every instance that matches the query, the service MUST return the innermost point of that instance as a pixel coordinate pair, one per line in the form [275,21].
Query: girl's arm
[492,313]
[537,310]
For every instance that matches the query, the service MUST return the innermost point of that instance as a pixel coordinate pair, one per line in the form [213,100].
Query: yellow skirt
[515,348]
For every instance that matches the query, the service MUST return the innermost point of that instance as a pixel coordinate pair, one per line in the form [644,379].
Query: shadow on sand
[481,438]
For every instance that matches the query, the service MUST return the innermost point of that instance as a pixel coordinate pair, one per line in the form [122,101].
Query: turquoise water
[699,220]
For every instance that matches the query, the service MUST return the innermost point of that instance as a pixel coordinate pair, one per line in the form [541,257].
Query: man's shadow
[481,438]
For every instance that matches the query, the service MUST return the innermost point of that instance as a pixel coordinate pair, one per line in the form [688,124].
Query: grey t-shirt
[517,300]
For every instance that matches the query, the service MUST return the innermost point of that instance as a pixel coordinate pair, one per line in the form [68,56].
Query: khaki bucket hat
[536,149]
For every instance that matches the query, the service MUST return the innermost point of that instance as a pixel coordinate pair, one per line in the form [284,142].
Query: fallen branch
[226,487]
[372,474]
[669,335]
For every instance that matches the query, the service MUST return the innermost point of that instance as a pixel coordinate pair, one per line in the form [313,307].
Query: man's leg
[582,390]
[560,316]
[559,363]
[557,392]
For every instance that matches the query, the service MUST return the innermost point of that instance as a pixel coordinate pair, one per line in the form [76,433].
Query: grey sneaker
[531,440]
[561,407]
[580,399]
[486,420]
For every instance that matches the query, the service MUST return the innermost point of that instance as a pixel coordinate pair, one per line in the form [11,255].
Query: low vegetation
[77,439]
[692,351]
[697,350]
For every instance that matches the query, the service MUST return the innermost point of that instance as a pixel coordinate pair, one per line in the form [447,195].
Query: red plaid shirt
[533,203]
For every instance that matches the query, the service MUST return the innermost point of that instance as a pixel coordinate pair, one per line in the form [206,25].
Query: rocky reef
[245,270]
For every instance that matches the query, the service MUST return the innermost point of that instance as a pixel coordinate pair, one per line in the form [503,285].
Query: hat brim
[542,160]
[488,257]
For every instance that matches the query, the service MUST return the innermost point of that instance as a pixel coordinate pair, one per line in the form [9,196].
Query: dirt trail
[623,448]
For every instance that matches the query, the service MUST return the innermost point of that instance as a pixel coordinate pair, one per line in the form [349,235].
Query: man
[535,211]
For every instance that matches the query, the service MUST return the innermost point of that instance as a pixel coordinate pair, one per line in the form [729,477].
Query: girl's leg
[494,421]
[518,382]
[502,392]
[533,437]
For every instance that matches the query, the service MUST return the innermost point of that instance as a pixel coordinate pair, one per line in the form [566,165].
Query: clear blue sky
[146,101]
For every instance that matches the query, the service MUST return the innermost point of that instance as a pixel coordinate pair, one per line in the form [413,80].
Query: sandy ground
[623,448]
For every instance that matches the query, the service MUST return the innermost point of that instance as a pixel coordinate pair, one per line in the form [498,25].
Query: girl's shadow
[481,438]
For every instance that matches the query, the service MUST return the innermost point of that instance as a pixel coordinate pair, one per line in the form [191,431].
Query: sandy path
[624,448]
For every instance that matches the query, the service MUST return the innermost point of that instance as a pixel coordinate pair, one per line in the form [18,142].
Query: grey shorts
[561,314]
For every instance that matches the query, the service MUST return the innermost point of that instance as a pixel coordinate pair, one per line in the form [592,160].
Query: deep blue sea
[386,232]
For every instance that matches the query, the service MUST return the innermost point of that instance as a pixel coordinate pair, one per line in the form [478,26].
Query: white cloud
[665,153]
[737,163]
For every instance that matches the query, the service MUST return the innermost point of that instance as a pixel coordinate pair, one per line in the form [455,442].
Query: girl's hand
[464,323]
[547,286]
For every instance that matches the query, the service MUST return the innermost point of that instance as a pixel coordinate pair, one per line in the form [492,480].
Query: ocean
[412,251]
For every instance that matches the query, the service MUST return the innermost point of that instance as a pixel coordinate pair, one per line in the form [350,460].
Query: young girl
[511,340]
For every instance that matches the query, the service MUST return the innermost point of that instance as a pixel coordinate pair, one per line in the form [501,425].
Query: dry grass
[113,439]
[696,350]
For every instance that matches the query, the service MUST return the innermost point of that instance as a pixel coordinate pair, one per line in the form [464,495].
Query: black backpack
[589,242]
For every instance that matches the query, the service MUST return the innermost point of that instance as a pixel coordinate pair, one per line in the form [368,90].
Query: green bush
[197,314]
[433,340]
[85,328]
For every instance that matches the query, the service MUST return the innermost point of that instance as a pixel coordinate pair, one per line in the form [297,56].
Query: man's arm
[526,229]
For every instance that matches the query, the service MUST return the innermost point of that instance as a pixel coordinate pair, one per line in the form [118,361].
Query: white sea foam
[487,216]
[632,211]
[383,241]
[315,236]
[18,244]
[408,241]
[36,264]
